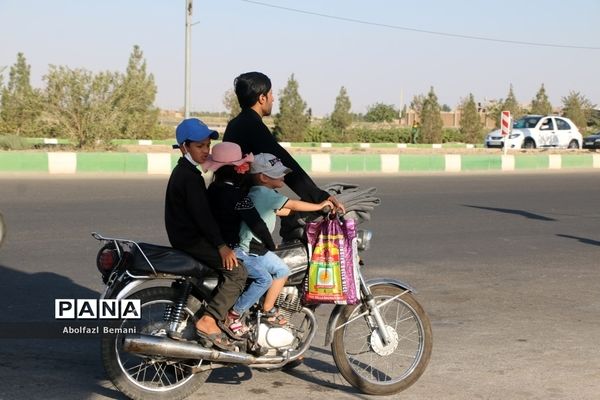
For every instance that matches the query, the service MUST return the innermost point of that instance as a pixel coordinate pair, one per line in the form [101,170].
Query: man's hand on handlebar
[327,206]
[337,206]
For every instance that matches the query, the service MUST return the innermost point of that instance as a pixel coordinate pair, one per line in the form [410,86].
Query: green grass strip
[577,161]
[112,162]
[473,162]
[23,161]
[355,163]
[305,161]
[414,162]
[531,162]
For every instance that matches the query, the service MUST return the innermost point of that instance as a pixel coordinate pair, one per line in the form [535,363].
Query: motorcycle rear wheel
[140,377]
[369,365]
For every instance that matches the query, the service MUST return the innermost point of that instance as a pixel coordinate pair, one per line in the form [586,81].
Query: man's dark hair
[249,86]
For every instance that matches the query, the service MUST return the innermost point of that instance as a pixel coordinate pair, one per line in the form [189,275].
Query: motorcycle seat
[166,260]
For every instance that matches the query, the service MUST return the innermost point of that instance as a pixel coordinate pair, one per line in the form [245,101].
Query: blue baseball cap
[194,130]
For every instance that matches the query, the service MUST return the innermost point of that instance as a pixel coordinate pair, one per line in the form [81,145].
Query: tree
[341,117]
[510,104]
[446,108]
[134,99]
[292,121]
[540,104]
[416,105]
[470,122]
[81,106]
[231,104]
[431,120]
[577,108]
[380,112]
[19,102]
[1,78]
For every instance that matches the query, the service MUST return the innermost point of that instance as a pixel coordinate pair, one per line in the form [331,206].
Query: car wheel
[573,144]
[529,144]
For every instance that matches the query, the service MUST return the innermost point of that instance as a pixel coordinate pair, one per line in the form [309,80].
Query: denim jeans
[261,270]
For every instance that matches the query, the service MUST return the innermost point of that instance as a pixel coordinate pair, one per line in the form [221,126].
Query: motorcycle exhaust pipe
[163,346]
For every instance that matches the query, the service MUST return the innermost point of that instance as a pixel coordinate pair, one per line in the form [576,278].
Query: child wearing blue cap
[191,227]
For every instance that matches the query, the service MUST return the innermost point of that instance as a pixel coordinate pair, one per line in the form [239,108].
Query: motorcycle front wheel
[369,364]
[150,377]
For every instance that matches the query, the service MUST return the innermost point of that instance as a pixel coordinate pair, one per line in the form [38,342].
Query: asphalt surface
[507,267]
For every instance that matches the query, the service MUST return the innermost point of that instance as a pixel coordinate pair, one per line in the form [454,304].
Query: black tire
[573,144]
[529,144]
[388,369]
[146,378]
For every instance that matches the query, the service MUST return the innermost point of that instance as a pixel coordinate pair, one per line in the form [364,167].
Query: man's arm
[257,138]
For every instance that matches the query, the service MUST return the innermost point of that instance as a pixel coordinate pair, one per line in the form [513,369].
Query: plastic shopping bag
[332,275]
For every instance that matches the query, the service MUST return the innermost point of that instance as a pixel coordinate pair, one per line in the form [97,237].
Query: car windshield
[526,122]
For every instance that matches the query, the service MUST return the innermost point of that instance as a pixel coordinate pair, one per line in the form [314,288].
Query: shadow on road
[33,348]
[582,240]
[319,372]
[522,213]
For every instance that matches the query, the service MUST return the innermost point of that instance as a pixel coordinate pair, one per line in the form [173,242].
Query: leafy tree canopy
[540,104]
[231,104]
[470,121]
[578,109]
[19,102]
[341,117]
[380,112]
[431,120]
[292,120]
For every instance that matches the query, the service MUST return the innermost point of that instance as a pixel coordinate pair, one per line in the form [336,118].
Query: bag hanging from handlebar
[333,267]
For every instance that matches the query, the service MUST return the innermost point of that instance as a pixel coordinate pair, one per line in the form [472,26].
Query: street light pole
[188,51]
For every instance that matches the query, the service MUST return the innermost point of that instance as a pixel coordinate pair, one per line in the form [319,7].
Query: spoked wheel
[151,377]
[372,365]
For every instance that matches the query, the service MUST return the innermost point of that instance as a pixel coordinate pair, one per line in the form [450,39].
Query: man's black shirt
[253,136]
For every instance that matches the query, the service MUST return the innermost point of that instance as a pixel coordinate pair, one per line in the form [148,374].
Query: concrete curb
[162,163]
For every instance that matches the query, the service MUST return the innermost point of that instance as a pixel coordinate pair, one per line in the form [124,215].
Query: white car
[532,131]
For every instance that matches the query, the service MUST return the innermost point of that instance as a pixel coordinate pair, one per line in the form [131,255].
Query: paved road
[506,265]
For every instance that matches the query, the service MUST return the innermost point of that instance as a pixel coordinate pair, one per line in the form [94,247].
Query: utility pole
[188,52]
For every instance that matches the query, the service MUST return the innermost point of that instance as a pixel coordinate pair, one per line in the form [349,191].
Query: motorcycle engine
[280,338]
[274,337]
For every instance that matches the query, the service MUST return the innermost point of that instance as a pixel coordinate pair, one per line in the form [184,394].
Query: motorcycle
[381,345]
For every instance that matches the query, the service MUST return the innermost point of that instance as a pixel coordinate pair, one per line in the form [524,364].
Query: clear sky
[364,48]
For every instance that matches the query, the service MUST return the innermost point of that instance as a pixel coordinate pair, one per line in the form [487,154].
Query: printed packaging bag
[332,275]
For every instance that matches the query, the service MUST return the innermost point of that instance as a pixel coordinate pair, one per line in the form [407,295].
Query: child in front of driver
[267,173]
[227,195]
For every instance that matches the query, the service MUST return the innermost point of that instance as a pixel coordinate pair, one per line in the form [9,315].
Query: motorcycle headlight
[363,239]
